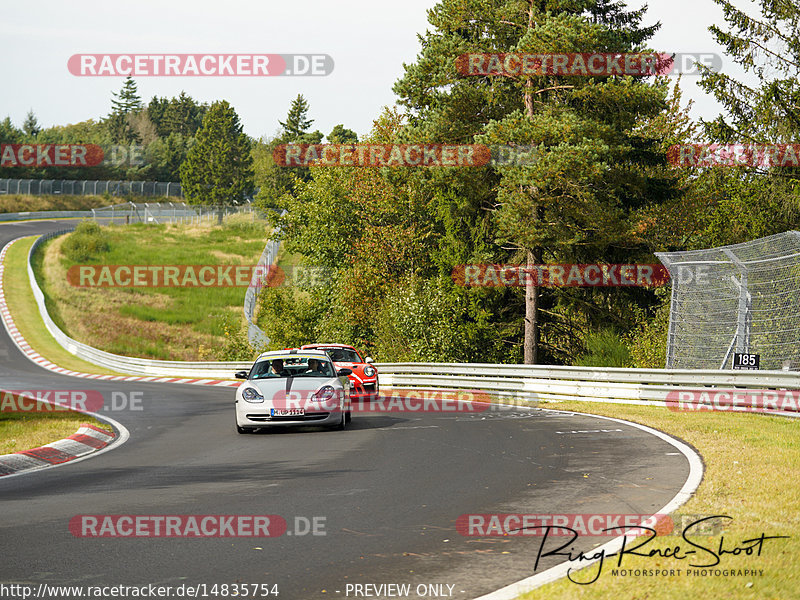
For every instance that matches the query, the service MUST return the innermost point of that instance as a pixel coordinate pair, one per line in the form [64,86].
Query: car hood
[356,368]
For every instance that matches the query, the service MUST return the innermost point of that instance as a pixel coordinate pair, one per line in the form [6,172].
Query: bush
[87,242]
[236,346]
[287,316]
[430,321]
[605,349]
[648,343]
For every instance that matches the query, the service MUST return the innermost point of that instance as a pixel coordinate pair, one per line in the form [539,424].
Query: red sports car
[364,376]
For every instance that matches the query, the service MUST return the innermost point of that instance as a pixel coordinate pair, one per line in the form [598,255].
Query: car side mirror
[241,375]
[369,360]
[344,372]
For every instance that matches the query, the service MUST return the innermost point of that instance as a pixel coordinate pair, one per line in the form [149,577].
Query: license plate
[286,412]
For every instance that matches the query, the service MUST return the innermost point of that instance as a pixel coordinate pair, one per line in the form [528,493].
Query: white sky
[369,40]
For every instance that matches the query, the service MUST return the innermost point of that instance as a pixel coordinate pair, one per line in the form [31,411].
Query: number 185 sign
[744,360]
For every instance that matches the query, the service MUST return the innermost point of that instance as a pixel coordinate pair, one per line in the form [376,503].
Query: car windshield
[293,366]
[343,355]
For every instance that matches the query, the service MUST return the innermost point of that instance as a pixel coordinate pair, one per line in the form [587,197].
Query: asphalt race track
[389,488]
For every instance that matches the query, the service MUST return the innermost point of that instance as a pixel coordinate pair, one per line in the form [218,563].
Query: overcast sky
[368,40]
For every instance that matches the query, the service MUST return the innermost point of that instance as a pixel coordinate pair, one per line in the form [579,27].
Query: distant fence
[166,212]
[141,212]
[38,187]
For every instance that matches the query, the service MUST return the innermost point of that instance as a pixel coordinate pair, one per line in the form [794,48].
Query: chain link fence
[739,298]
[39,187]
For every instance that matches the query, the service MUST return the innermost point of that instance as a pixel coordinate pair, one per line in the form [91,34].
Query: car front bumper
[253,415]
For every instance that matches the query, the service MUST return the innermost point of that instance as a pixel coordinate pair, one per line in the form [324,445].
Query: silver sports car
[292,387]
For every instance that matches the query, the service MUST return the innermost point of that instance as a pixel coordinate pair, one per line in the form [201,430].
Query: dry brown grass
[92,315]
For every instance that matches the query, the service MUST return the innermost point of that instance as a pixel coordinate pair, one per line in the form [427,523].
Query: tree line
[600,191]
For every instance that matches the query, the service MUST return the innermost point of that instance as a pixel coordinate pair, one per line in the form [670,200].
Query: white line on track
[552,574]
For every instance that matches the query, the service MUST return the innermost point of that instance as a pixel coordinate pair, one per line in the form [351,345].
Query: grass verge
[166,323]
[752,464]
[25,312]
[23,431]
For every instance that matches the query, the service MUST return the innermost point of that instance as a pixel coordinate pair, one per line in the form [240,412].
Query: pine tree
[297,124]
[31,125]
[574,203]
[218,168]
[127,99]
[767,46]
[125,102]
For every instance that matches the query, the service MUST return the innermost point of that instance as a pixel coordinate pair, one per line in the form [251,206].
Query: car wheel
[340,425]
[242,429]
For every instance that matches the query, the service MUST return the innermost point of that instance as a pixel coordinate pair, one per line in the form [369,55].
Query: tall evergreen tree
[218,168]
[574,203]
[297,124]
[767,46]
[275,182]
[127,99]
[123,103]
[8,133]
[31,125]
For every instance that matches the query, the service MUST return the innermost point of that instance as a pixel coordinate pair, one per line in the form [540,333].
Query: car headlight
[323,394]
[252,395]
[369,371]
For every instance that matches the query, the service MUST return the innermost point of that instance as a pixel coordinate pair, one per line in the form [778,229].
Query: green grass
[25,312]
[752,464]
[20,431]
[161,323]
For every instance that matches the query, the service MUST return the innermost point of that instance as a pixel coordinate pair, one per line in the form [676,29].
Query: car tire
[341,424]
[243,429]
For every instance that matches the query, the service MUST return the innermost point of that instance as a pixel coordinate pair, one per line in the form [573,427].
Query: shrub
[648,343]
[87,242]
[605,348]
[235,345]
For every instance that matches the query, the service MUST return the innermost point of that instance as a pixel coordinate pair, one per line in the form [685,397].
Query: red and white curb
[87,440]
[25,348]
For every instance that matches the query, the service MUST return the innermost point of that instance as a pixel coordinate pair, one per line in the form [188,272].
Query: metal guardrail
[593,384]
[48,214]
[125,364]
[269,256]
[524,382]
[142,212]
